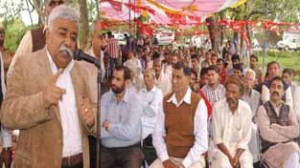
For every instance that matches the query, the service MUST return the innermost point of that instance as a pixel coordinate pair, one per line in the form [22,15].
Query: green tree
[15,30]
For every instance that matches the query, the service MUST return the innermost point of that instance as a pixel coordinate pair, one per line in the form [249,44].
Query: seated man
[231,125]
[180,135]
[278,127]
[121,112]
[151,98]
[252,97]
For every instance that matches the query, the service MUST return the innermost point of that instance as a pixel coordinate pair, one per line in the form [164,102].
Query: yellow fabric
[158,5]
[237,4]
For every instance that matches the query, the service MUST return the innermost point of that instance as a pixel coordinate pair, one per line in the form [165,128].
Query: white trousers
[254,144]
[220,160]
[177,161]
[293,161]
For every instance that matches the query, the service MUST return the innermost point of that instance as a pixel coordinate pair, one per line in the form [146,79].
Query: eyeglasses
[55,3]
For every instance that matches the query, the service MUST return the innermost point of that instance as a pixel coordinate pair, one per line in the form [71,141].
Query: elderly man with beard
[121,112]
[48,100]
[231,125]
[278,127]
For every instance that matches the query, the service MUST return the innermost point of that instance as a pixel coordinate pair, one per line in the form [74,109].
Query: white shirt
[253,99]
[151,102]
[296,99]
[200,131]
[233,130]
[6,135]
[72,142]
[164,82]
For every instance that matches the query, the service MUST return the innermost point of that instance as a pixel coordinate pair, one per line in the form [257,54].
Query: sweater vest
[179,126]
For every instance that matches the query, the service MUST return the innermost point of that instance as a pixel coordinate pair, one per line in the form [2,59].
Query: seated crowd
[161,107]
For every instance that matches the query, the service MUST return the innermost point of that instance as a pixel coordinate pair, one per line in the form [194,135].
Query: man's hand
[275,126]
[86,111]
[106,125]
[181,166]
[236,159]
[232,161]
[169,164]
[235,162]
[224,149]
[51,93]
[6,157]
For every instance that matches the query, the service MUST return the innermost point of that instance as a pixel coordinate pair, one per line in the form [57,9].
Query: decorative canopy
[164,11]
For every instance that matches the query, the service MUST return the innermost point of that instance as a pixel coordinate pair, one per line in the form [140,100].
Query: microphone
[80,55]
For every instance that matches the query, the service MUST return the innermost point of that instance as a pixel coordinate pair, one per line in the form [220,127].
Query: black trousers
[123,157]
[149,150]
[80,165]
[93,151]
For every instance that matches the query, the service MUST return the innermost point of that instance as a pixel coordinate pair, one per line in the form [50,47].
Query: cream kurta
[164,82]
[233,130]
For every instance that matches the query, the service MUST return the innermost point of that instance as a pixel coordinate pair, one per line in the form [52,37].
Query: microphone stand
[79,55]
[98,134]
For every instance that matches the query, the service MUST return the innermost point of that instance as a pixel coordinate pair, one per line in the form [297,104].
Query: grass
[287,59]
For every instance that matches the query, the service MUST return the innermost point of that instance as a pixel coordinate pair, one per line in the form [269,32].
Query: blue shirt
[125,119]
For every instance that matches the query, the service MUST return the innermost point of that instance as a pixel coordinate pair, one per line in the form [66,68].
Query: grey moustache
[66,50]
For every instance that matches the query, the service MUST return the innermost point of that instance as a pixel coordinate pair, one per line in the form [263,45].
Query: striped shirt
[214,95]
[113,48]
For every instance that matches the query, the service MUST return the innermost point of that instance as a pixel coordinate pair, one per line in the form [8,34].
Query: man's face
[186,60]
[253,62]
[212,77]
[203,80]
[249,80]
[97,41]
[173,60]
[195,63]
[273,70]
[214,60]
[157,66]
[52,4]
[276,90]
[149,79]
[208,57]
[193,79]
[232,94]
[287,78]
[118,83]
[180,82]
[220,65]
[235,61]
[237,73]
[62,34]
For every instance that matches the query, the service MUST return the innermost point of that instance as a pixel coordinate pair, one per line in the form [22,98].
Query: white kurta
[234,131]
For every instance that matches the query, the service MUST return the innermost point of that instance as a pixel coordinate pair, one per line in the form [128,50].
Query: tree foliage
[257,10]
[15,30]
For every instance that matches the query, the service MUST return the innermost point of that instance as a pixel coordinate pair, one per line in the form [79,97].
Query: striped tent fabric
[165,11]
